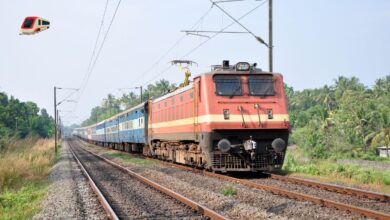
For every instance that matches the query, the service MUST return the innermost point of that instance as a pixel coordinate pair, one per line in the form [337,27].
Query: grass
[24,167]
[342,173]
[229,191]
[23,203]
[127,158]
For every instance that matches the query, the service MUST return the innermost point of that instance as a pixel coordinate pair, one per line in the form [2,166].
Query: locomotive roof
[177,91]
[235,72]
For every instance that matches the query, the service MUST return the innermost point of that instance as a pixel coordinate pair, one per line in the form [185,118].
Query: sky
[314,43]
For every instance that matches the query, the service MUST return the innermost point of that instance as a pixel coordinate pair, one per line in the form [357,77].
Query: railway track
[125,194]
[283,191]
[302,196]
[334,188]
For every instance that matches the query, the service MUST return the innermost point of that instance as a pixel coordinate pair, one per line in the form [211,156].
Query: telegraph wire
[205,41]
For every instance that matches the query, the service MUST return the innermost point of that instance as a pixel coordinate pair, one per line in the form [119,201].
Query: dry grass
[24,167]
[25,160]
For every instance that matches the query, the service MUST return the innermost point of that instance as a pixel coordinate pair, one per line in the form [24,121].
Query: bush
[386,179]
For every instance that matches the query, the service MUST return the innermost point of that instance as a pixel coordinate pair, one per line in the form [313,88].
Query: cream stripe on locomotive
[220,118]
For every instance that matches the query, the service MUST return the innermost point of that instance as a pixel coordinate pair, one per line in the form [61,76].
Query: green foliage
[229,191]
[386,179]
[22,119]
[330,168]
[346,119]
[112,106]
[24,203]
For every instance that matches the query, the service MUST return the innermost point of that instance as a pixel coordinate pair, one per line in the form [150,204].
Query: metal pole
[270,44]
[141,92]
[58,126]
[55,119]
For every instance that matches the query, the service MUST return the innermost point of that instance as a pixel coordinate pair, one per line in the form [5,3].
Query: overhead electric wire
[98,36]
[91,68]
[171,48]
[95,46]
[68,96]
[205,41]
[84,85]
[236,21]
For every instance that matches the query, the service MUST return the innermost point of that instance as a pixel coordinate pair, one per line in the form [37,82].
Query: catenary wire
[205,41]
[96,43]
[171,48]
[97,55]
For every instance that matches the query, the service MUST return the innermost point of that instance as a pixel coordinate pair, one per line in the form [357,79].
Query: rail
[194,205]
[103,201]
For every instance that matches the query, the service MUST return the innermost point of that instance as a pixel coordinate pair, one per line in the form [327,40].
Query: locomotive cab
[243,119]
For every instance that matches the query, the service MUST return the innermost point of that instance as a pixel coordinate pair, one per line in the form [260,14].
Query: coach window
[181,98]
[261,85]
[166,104]
[191,95]
[39,22]
[228,85]
[173,101]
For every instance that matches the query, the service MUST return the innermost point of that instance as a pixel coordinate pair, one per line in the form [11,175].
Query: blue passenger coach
[126,130]
[112,135]
[132,125]
[100,134]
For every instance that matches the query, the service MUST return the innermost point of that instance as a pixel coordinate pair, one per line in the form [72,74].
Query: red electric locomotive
[233,118]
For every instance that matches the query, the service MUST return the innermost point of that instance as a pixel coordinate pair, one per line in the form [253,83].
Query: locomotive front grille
[229,162]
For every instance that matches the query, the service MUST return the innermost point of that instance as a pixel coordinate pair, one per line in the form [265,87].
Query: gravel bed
[129,197]
[70,195]
[324,194]
[247,203]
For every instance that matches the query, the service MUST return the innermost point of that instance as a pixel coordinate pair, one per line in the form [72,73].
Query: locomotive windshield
[28,23]
[228,85]
[261,85]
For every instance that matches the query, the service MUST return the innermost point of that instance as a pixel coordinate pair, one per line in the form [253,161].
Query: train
[33,24]
[231,119]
